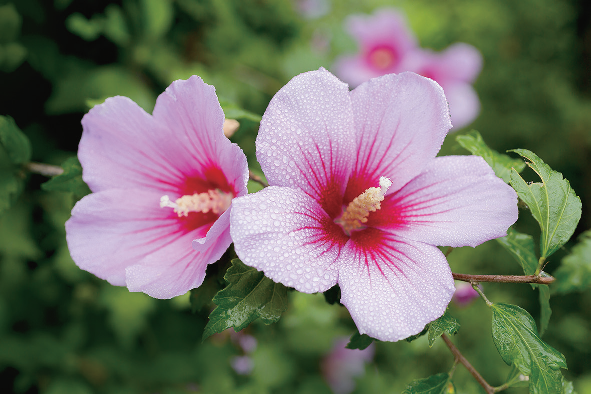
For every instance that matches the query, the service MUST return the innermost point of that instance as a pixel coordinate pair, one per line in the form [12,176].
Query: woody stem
[493,278]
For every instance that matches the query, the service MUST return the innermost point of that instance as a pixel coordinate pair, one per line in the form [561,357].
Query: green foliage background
[64,330]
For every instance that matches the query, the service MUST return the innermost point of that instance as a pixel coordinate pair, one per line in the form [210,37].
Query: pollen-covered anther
[358,210]
[213,200]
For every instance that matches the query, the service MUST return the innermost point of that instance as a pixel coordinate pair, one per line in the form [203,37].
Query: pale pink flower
[384,41]
[160,184]
[342,365]
[464,294]
[455,69]
[358,198]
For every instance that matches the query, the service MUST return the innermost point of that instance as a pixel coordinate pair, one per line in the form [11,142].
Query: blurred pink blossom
[387,46]
[342,365]
[160,184]
[384,41]
[358,198]
[464,294]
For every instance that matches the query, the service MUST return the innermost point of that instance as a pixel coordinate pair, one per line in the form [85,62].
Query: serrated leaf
[359,342]
[444,324]
[553,203]
[436,384]
[233,111]
[249,295]
[517,340]
[15,143]
[545,311]
[521,246]
[70,180]
[500,163]
[574,273]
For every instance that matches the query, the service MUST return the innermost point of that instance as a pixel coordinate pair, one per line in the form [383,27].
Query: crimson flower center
[213,200]
[382,58]
[355,215]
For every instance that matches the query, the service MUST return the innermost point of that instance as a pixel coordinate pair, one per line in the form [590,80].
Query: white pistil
[215,201]
[358,210]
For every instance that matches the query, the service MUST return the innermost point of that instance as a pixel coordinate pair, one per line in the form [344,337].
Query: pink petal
[353,70]
[400,121]
[464,105]
[460,62]
[457,201]
[391,286]
[124,147]
[114,229]
[306,139]
[288,236]
[386,26]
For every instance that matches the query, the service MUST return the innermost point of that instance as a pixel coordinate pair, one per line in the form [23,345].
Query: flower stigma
[213,200]
[358,210]
[382,58]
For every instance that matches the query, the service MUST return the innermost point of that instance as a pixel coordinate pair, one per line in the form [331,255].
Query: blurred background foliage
[63,330]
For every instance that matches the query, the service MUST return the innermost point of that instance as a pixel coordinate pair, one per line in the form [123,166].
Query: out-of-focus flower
[464,294]
[342,365]
[242,364]
[160,183]
[358,198]
[384,41]
[454,69]
[387,46]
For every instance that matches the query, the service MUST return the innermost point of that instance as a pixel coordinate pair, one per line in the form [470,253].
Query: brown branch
[493,278]
[487,387]
[256,178]
[43,169]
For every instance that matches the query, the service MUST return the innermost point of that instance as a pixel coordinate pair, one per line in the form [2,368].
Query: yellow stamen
[215,201]
[358,210]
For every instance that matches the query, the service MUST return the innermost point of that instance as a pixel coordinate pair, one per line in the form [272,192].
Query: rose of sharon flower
[455,69]
[342,365]
[384,41]
[160,184]
[387,46]
[358,198]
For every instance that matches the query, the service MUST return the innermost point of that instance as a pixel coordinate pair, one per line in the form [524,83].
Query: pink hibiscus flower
[358,198]
[384,42]
[160,183]
[455,69]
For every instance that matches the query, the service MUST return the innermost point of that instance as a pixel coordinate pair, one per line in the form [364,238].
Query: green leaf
[70,180]
[501,163]
[11,187]
[87,29]
[421,333]
[517,340]
[14,142]
[521,246]
[444,324]
[249,295]
[359,342]
[516,378]
[574,273]
[157,16]
[546,311]
[10,23]
[233,111]
[436,384]
[552,202]
[12,55]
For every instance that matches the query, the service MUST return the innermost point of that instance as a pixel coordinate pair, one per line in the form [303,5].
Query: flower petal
[459,62]
[306,139]
[464,105]
[124,147]
[114,229]
[400,121]
[354,70]
[457,201]
[384,27]
[391,286]
[288,236]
